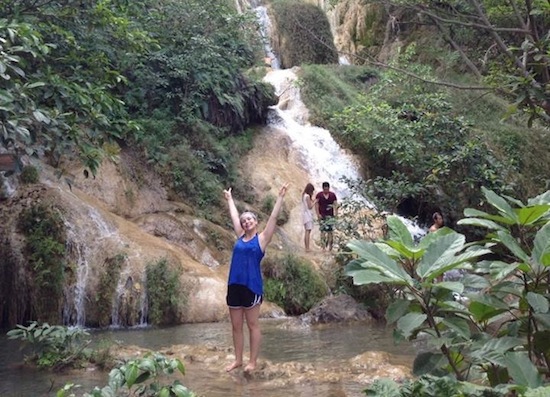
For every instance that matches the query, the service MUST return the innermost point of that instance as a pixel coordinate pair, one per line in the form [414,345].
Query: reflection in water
[323,346]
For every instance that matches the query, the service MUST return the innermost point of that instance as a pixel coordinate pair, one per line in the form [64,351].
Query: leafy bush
[29,174]
[107,288]
[291,283]
[44,230]
[53,346]
[491,323]
[141,376]
[165,294]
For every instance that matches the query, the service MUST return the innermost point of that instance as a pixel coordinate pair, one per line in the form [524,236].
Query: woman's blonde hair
[247,213]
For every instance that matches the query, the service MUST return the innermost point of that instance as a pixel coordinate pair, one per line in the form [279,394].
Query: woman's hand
[227,194]
[283,190]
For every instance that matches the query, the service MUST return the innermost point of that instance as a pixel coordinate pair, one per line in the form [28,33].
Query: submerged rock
[336,309]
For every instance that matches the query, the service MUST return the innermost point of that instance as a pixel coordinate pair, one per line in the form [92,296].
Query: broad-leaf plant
[480,309]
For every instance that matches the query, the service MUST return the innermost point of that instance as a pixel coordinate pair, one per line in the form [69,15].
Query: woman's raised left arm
[267,234]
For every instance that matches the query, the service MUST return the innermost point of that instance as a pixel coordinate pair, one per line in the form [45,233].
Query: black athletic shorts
[239,296]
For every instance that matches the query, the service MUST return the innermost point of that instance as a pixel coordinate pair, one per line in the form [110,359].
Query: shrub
[29,174]
[53,346]
[44,230]
[165,293]
[140,376]
[291,283]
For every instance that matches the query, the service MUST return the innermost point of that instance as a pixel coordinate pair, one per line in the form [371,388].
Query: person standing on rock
[307,212]
[245,284]
[327,210]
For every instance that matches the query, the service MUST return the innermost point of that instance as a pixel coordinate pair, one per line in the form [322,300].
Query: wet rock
[336,309]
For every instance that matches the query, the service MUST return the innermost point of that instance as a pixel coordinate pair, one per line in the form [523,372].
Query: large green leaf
[374,258]
[473,213]
[369,276]
[403,250]
[459,325]
[396,310]
[510,242]
[428,362]
[131,374]
[410,322]
[500,270]
[454,286]
[530,215]
[541,246]
[481,223]
[429,238]
[538,302]
[398,231]
[439,255]
[500,204]
[543,198]
[475,281]
[483,312]
[522,370]
[543,318]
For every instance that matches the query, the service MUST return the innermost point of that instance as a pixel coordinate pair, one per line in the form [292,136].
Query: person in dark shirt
[327,209]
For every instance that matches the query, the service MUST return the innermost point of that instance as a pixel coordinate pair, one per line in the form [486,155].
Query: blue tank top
[245,265]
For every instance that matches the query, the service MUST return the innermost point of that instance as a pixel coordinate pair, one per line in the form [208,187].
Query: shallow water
[321,346]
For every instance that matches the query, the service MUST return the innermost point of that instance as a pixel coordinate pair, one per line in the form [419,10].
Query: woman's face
[248,221]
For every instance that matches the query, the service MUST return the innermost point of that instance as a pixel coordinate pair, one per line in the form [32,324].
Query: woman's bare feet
[231,367]
[250,367]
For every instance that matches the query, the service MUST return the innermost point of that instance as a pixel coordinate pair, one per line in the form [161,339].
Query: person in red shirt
[327,209]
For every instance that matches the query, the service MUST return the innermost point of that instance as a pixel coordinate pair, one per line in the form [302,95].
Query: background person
[245,284]
[438,222]
[307,213]
[327,210]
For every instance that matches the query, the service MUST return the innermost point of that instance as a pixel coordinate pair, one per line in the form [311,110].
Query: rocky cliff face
[359,29]
[124,218]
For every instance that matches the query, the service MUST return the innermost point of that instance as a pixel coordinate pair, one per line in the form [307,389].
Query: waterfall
[321,156]
[80,236]
[265,30]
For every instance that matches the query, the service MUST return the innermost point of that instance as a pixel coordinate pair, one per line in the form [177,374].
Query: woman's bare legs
[306,239]
[253,322]
[237,320]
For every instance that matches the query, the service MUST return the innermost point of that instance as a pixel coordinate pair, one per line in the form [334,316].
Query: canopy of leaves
[167,75]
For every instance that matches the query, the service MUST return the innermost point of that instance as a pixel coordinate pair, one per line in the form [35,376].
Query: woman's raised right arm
[233,212]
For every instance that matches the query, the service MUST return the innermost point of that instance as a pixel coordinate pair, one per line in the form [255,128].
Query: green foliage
[291,283]
[142,376]
[415,147]
[53,346]
[430,386]
[305,34]
[166,295]
[44,230]
[51,103]
[267,206]
[29,174]
[79,76]
[329,89]
[106,289]
[491,322]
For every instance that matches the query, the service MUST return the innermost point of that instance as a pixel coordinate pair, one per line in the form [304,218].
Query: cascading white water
[322,157]
[265,30]
[79,238]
